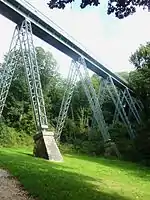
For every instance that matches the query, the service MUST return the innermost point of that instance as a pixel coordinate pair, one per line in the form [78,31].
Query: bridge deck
[45,29]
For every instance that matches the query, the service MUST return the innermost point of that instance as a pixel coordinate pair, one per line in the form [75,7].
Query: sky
[110,40]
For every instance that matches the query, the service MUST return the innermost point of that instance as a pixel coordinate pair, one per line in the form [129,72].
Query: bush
[67,148]
[142,143]
[10,137]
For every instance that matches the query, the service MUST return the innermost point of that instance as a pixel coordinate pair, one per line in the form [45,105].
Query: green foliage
[143,143]
[18,113]
[87,138]
[67,148]
[141,57]
[10,137]
[124,75]
[140,81]
[140,78]
[121,8]
[70,131]
[125,145]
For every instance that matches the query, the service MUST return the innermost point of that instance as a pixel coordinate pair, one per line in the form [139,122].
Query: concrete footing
[111,149]
[46,147]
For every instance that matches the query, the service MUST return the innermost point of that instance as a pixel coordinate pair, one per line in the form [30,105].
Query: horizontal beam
[45,29]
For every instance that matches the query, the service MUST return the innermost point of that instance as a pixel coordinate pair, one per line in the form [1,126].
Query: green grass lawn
[78,177]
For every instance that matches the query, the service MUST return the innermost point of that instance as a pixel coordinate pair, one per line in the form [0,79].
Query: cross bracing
[118,97]
[22,47]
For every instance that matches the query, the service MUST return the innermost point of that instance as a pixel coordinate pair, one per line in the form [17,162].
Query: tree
[18,110]
[140,81]
[124,75]
[52,83]
[140,78]
[121,8]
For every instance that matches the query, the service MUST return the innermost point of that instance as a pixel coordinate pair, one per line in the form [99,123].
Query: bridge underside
[17,11]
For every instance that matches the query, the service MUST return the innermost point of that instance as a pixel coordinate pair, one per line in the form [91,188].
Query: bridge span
[45,29]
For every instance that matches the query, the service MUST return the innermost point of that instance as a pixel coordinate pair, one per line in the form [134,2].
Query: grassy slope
[78,178]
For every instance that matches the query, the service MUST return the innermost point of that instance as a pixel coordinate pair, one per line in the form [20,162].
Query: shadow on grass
[28,154]
[131,168]
[51,181]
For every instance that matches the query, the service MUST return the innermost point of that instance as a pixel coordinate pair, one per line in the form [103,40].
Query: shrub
[10,137]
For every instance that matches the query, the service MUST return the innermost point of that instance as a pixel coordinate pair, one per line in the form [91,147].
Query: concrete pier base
[111,149]
[46,147]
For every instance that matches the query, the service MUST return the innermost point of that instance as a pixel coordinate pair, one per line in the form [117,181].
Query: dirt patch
[10,188]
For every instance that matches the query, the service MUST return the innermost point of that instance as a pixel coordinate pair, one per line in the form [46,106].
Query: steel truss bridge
[30,21]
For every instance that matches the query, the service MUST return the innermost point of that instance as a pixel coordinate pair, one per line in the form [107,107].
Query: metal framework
[47,30]
[92,98]
[119,98]
[138,103]
[101,97]
[123,98]
[79,69]
[127,99]
[116,114]
[33,76]
[101,92]
[71,81]
[131,105]
[22,44]
[9,68]
[115,96]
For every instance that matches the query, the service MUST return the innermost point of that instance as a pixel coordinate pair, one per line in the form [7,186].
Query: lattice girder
[33,76]
[119,106]
[71,81]
[9,69]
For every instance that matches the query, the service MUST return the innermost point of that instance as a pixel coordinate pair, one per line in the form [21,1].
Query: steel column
[9,68]
[116,98]
[33,76]
[71,81]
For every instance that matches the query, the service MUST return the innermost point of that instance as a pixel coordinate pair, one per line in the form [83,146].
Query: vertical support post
[132,109]
[116,114]
[92,98]
[116,98]
[81,70]
[139,104]
[71,81]
[132,106]
[101,96]
[101,92]
[9,68]
[45,144]
[33,76]
[96,108]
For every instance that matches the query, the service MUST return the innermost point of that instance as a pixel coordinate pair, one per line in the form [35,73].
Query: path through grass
[78,177]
